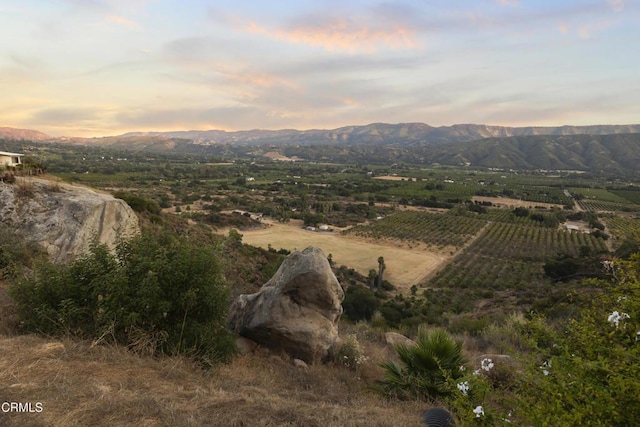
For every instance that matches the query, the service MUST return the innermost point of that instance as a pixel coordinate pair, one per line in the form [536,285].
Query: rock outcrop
[64,219]
[297,310]
[394,339]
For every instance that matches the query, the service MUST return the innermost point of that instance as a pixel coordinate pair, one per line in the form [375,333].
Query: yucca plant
[425,367]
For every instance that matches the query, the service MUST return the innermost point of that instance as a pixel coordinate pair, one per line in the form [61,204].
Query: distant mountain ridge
[378,133]
[381,133]
[595,153]
[600,148]
[22,134]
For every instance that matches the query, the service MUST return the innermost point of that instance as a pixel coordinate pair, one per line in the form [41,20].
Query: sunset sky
[105,67]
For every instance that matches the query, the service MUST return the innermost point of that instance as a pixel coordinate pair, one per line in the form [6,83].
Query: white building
[10,159]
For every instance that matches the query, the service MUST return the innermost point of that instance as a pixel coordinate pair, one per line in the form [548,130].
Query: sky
[105,67]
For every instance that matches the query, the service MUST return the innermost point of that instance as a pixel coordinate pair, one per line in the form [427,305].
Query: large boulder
[64,219]
[297,310]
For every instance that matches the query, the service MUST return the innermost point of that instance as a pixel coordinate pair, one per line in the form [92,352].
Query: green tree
[381,268]
[359,303]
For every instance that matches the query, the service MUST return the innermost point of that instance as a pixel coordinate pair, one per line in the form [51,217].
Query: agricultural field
[595,205]
[604,200]
[632,196]
[510,256]
[458,243]
[438,231]
[505,202]
[405,265]
[623,227]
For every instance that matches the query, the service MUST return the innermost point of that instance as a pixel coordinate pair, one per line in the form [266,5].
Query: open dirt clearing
[393,177]
[405,266]
[514,203]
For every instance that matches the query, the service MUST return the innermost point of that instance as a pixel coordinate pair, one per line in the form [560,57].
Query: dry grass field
[503,202]
[76,384]
[66,383]
[392,178]
[405,265]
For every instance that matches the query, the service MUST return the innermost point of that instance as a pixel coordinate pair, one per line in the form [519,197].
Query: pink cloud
[342,35]
[123,21]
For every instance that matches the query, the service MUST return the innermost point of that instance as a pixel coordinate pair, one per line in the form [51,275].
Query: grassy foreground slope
[79,384]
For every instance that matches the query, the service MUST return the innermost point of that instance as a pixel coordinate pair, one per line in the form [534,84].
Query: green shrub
[584,372]
[425,369]
[138,203]
[15,252]
[158,294]
[359,303]
[350,354]
[590,376]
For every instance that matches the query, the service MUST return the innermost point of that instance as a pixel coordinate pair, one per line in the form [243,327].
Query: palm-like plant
[425,367]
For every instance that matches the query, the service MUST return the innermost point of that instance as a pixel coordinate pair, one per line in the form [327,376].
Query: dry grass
[24,189]
[8,313]
[405,266]
[80,385]
[503,202]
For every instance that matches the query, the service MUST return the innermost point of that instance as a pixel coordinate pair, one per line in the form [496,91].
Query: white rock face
[64,219]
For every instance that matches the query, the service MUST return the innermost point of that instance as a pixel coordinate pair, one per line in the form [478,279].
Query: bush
[16,252]
[350,354]
[591,376]
[521,212]
[359,303]
[158,294]
[138,203]
[584,372]
[426,368]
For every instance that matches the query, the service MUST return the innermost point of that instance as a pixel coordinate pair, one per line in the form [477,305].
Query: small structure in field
[10,159]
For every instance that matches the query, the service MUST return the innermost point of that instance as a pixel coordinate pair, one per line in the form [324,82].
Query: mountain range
[601,148]
[372,133]
[381,133]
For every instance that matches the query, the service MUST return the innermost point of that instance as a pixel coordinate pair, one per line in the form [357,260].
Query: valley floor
[406,264]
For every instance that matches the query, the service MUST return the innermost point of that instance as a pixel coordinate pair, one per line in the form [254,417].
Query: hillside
[372,134]
[22,134]
[595,153]
[606,148]
[377,133]
[77,383]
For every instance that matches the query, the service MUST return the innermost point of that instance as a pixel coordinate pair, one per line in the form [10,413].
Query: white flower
[615,318]
[462,368]
[638,336]
[476,372]
[463,387]
[621,298]
[545,367]
[486,364]
[479,411]
[608,265]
